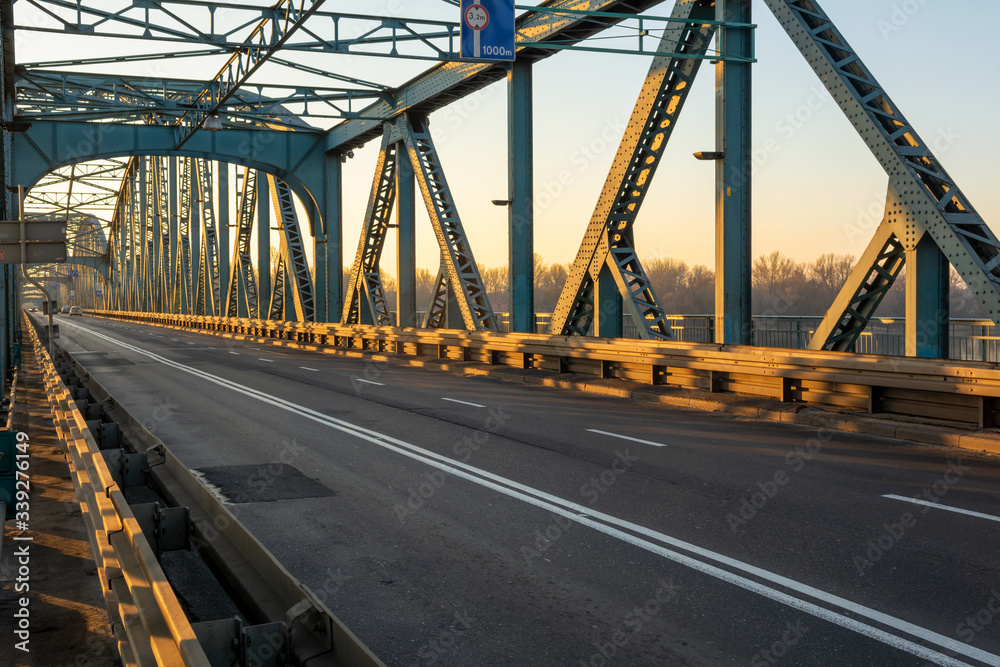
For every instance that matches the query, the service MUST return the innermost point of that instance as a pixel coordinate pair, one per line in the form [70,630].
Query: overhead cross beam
[56,94]
[195,22]
[270,34]
[446,82]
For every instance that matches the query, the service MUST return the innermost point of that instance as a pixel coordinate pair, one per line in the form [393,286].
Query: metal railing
[150,625]
[290,618]
[970,339]
[953,391]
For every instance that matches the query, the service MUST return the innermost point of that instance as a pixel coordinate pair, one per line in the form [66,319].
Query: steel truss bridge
[139,155]
[145,169]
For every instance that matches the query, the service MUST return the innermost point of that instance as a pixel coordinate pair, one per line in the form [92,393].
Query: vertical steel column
[263,246]
[333,286]
[928,303]
[223,226]
[289,301]
[8,92]
[185,254]
[173,240]
[159,222]
[406,242]
[195,233]
[121,219]
[135,220]
[608,305]
[319,267]
[163,238]
[144,272]
[732,206]
[320,223]
[521,196]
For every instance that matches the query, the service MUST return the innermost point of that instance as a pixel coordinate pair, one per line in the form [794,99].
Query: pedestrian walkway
[67,620]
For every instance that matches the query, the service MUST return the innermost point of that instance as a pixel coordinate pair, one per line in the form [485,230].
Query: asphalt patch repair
[262,483]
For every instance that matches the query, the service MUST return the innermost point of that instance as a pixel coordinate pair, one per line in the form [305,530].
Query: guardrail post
[8,473]
[715,382]
[874,400]
[788,388]
[987,412]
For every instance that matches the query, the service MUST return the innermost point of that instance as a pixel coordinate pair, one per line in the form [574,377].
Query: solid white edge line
[573,511]
[626,437]
[380,384]
[939,506]
[455,400]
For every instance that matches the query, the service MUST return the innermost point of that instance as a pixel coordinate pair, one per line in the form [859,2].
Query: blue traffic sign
[487,29]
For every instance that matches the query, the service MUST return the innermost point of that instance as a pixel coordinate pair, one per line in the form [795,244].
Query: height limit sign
[487,29]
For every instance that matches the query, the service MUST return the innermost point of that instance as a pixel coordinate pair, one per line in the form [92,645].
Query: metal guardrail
[969,339]
[12,401]
[288,623]
[964,392]
[149,624]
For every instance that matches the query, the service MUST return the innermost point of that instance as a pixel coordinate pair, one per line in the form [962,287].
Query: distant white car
[76,310]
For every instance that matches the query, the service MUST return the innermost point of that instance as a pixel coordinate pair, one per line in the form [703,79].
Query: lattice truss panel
[458,262]
[365,302]
[923,198]
[608,242]
[241,298]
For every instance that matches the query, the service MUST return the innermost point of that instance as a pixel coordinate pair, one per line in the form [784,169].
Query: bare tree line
[781,286]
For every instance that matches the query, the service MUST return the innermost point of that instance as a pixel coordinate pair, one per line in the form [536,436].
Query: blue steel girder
[241,299]
[294,157]
[276,307]
[61,95]
[438,306]
[607,243]
[209,279]
[269,35]
[365,299]
[293,254]
[328,32]
[929,200]
[456,252]
[444,83]
[183,296]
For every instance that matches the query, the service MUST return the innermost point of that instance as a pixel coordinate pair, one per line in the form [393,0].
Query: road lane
[685,490]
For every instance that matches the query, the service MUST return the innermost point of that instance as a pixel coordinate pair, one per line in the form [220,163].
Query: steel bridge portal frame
[300,167]
[929,223]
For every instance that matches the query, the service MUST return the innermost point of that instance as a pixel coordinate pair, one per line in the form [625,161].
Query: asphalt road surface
[463,521]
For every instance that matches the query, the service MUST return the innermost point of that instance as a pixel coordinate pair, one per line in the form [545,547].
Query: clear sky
[937,59]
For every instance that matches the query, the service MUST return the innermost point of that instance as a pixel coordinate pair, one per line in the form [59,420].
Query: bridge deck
[467,521]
